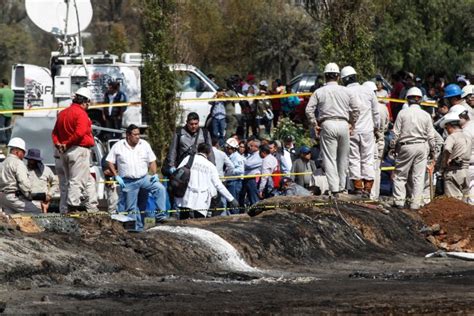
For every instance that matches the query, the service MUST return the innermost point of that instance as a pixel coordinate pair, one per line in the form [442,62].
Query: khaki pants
[76,164]
[335,153]
[410,167]
[470,198]
[62,185]
[12,204]
[361,157]
[456,183]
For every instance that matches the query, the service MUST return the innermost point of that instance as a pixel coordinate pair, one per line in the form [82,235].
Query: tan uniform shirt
[413,125]
[458,145]
[14,176]
[333,101]
[43,180]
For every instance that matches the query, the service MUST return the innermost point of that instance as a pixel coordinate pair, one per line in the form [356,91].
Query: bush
[286,127]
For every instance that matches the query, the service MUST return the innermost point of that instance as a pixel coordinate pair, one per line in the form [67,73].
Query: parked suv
[303,83]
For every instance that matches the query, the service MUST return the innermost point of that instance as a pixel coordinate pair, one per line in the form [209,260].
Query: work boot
[368,184]
[358,187]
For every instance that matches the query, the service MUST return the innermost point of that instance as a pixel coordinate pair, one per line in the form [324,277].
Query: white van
[38,87]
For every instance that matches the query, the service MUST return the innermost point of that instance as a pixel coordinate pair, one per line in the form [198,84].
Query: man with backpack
[185,143]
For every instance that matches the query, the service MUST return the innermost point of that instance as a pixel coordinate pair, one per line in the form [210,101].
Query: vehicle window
[20,76]
[295,87]
[190,82]
[310,81]
[77,82]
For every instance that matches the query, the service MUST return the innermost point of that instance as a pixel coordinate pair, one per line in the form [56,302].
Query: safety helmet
[371,85]
[84,92]
[414,92]
[232,143]
[331,68]
[17,142]
[263,83]
[449,118]
[348,71]
[467,90]
[452,90]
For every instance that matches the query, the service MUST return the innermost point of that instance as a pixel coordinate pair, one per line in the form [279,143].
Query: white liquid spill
[226,254]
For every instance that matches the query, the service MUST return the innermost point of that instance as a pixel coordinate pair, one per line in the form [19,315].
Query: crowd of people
[233,162]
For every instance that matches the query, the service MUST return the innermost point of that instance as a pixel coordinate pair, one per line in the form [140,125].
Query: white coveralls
[468,129]
[15,187]
[337,107]
[379,148]
[413,133]
[362,140]
[204,183]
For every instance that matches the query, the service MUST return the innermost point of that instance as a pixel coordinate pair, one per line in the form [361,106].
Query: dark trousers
[249,192]
[5,134]
[115,123]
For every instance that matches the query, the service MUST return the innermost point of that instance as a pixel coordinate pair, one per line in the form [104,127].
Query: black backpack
[179,180]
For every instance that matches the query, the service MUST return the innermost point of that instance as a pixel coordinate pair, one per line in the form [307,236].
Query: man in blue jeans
[133,164]
[218,115]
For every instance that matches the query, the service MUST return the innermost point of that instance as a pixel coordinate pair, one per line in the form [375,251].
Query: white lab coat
[204,183]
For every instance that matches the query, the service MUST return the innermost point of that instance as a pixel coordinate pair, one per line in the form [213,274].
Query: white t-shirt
[132,162]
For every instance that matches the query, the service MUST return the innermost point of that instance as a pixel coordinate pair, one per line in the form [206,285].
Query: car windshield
[206,78]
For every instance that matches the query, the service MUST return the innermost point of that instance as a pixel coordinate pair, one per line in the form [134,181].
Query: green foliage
[118,41]
[287,127]
[430,36]
[347,33]
[158,85]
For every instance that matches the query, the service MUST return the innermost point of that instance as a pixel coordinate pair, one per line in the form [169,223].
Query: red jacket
[73,128]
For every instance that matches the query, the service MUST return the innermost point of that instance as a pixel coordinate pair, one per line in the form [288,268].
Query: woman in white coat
[204,183]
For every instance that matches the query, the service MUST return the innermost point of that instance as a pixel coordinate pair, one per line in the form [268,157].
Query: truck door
[33,88]
[192,86]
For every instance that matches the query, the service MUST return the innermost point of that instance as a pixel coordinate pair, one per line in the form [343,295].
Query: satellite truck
[69,69]
[38,87]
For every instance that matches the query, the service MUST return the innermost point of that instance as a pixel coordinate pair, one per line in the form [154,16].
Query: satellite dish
[59,18]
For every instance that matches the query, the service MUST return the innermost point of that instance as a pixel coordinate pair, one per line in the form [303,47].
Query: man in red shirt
[72,136]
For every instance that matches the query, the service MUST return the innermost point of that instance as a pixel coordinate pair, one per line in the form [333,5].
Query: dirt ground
[354,259]
[456,224]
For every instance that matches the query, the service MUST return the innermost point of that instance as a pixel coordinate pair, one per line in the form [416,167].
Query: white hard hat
[331,68]
[84,92]
[449,118]
[348,71]
[371,85]
[467,90]
[263,83]
[232,143]
[17,142]
[414,92]
[457,109]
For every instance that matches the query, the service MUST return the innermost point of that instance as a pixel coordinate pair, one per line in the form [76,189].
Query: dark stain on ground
[311,261]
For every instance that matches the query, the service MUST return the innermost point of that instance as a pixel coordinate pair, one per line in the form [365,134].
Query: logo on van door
[34,92]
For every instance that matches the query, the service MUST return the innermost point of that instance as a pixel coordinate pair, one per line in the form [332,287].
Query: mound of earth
[450,224]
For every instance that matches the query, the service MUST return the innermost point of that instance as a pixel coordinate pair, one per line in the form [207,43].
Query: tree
[347,35]
[432,36]
[158,85]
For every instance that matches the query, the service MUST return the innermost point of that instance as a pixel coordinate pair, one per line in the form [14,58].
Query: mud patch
[450,224]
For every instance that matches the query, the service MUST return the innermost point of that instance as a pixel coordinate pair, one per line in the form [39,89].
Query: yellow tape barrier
[259,175]
[276,96]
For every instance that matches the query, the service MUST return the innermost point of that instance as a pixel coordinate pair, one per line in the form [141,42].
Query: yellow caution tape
[261,97]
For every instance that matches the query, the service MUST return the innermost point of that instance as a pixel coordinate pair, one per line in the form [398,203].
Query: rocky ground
[297,256]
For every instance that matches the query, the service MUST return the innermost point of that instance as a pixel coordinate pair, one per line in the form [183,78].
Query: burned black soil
[308,258]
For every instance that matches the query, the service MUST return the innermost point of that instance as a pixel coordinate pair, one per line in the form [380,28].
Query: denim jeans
[249,190]
[5,135]
[234,187]
[218,130]
[135,195]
